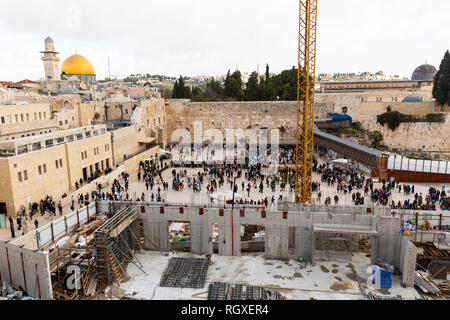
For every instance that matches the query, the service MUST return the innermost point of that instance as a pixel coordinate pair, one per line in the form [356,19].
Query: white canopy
[343,161]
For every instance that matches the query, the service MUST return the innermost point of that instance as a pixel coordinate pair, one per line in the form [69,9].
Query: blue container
[382,277]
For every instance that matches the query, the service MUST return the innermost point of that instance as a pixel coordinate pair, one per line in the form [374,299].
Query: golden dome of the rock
[77,65]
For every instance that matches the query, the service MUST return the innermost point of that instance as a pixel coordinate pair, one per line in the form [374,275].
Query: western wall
[363,108]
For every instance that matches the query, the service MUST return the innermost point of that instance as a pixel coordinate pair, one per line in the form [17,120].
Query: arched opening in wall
[180,235]
[344,109]
[253,239]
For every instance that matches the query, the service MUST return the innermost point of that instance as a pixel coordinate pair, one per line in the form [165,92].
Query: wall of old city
[424,136]
[182,114]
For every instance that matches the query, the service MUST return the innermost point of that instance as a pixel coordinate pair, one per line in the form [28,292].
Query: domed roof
[48,39]
[412,99]
[78,65]
[425,72]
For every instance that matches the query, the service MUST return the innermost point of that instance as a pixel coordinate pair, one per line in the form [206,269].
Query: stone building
[50,164]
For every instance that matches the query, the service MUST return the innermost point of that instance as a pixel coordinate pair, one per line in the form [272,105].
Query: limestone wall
[414,136]
[182,114]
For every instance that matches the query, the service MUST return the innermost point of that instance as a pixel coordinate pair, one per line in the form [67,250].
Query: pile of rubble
[11,292]
[431,289]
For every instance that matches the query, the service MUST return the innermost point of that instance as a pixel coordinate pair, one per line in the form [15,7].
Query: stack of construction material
[185,273]
[225,291]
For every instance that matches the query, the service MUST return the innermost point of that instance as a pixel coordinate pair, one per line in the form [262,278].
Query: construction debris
[74,255]
[428,286]
[428,252]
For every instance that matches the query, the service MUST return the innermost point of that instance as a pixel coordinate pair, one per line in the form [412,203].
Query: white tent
[343,161]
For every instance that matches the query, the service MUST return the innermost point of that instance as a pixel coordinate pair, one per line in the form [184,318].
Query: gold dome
[77,64]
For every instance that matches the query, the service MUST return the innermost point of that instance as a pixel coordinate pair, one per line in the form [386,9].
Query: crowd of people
[35,209]
[254,179]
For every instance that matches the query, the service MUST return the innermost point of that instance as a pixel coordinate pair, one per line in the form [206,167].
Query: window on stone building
[45,168]
[57,164]
[17,118]
[126,111]
[60,163]
[159,120]
[45,116]
[60,123]
[25,175]
[28,117]
[21,117]
[35,116]
[40,170]
[19,176]
[3,119]
[40,116]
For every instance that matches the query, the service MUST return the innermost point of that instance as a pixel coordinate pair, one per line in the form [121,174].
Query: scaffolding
[115,242]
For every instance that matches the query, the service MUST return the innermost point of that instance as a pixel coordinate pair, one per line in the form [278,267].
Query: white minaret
[51,60]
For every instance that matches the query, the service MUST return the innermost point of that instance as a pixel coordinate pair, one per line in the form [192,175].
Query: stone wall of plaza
[416,136]
[30,175]
[181,114]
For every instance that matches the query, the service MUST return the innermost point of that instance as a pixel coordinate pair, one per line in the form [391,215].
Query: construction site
[122,250]
[299,249]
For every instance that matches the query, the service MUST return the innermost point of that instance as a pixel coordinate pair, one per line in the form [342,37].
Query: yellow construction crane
[305,100]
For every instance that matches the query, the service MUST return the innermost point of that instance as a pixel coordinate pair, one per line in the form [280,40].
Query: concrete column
[409,264]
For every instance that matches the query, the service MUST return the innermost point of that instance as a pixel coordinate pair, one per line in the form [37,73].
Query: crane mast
[305,100]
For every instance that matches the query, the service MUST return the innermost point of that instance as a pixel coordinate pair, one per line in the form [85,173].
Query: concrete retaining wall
[27,269]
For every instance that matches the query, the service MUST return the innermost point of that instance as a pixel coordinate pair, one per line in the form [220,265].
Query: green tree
[214,90]
[267,72]
[441,89]
[175,90]
[227,90]
[376,137]
[234,86]
[252,91]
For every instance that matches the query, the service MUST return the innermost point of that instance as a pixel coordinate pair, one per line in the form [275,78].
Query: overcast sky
[207,37]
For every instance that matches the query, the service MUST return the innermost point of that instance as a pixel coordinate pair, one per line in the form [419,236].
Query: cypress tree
[441,89]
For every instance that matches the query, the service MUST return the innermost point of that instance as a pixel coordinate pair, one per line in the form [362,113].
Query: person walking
[60,208]
[36,223]
[11,227]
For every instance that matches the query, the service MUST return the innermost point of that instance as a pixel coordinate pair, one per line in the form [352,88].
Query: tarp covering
[337,117]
